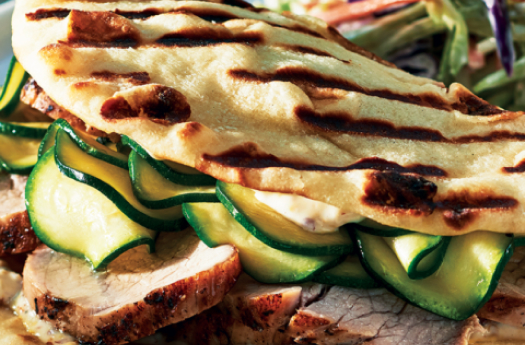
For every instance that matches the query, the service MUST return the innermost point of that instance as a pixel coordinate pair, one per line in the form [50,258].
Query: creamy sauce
[312,216]
[44,330]
[10,285]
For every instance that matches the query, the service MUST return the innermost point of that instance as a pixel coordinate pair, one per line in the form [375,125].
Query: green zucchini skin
[458,289]
[91,147]
[289,236]
[48,140]
[54,233]
[146,179]
[10,93]
[423,263]
[19,145]
[350,273]
[374,228]
[167,172]
[430,259]
[215,226]
[25,130]
[162,225]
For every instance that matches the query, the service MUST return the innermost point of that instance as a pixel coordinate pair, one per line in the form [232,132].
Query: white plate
[6,52]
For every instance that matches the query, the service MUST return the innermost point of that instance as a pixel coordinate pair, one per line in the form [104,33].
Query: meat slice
[507,304]
[34,96]
[251,313]
[137,294]
[16,234]
[359,316]
[318,314]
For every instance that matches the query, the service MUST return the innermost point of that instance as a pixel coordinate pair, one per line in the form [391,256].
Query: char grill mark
[519,168]
[390,185]
[414,195]
[305,78]
[240,4]
[473,105]
[101,29]
[203,38]
[160,104]
[344,123]
[209,15]
[409,193]
[461,209]
[135,78]
[248,156]
[47,13]
[310,50]
[140,15]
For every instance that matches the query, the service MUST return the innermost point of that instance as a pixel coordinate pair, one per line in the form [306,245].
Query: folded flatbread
[280,103]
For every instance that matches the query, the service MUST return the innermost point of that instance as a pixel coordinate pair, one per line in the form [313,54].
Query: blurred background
[478,43]
[6,10]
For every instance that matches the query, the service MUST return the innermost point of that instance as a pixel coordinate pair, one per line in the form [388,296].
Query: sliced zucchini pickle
[89,145]
[174,172]
[420,254]
[350,273]
[114,183]
[19,144]
[35,130]
[371,227]
[49,138]
[464,282]
[74,218]
[277,231]
[215,226]
[10,92]
[156,192]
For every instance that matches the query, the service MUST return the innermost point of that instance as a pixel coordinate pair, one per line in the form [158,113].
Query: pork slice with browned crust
[318,314]
[35,97]
[137,294]
[375,316]
[251,313]
[16,234]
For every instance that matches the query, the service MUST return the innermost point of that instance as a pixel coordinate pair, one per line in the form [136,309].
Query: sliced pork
[316,314]
[251,313]
[35,97]
[358,316]
[138,294]
[16,234]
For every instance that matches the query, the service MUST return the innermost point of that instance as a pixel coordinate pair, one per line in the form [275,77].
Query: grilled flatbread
[280,103]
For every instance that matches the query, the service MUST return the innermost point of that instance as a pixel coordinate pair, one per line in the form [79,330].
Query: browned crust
[17,235]
[160,104]
[159,308]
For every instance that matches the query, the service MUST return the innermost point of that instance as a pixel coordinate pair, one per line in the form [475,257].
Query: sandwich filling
[203,138]
[312,216]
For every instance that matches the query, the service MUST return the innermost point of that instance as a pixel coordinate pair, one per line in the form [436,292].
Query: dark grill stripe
[242,158]
[210,15]
[344,123]
[206,38]
[306,78]
[47,13]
